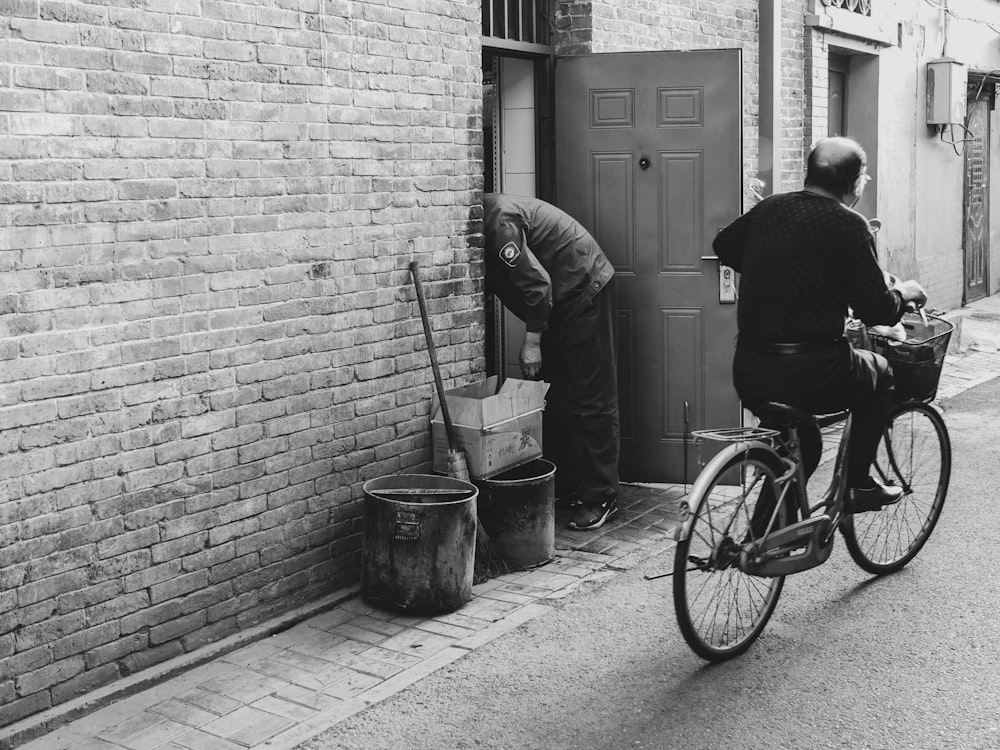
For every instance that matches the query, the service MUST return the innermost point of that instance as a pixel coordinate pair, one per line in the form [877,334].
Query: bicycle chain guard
[788,550]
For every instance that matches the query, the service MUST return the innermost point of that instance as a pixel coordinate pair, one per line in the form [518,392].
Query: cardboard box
[498,430]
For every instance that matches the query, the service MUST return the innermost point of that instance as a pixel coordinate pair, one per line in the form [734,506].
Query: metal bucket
[517,510]
[419,543]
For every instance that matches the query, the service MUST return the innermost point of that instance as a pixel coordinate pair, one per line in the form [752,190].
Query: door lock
[727,285]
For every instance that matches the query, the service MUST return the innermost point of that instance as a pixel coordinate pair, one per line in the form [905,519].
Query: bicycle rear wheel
[720,609]
[915,453]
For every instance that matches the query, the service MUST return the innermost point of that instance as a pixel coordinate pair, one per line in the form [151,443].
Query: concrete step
[977,326]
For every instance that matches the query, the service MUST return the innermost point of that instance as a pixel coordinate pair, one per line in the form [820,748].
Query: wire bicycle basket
[916,362]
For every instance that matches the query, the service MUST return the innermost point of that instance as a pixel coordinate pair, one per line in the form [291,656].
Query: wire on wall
[949,12]
[970,136]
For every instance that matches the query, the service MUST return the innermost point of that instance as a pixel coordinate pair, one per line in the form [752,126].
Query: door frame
[542,57]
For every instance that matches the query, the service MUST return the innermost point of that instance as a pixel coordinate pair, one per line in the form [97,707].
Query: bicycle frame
[805,543]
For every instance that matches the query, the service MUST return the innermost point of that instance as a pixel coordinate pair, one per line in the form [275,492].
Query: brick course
[207,328]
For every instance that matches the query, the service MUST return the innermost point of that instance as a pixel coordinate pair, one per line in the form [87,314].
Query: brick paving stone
[290,710]
[580,555]
[323,677]
[198,740]
[642,504]
[309,637]
[352,686]
[489,585]
[444,628]
[331,618]
[666,525]
[420,643]
[243,685]
[501,595]
[304,662]
[385,627]
[183,712]
[247,726]
[568,563]
[91,743]
[133,724]
[519,587]
[541,579]
[253,653]
[354,632]
[305,697]
[360,607]
[462,620]
[210,701]
[598,546]
[620,548]
[333,650]
[577,571]
[278,668]
[487,609]
[389,657]
[629,534]
[145,731]
[411,621]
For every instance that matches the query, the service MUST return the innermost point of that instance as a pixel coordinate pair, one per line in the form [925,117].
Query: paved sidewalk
[279,691]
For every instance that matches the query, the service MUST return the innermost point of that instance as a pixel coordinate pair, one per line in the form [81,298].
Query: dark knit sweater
[804,259]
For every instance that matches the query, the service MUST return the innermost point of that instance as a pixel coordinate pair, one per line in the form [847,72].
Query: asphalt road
[908,661]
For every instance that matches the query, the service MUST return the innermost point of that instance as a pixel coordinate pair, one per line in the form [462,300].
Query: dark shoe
[873,496]
[570,501]
[590,517]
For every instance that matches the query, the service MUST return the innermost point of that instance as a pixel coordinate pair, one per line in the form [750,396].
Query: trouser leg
[583,332]
[557,428]
[869,418]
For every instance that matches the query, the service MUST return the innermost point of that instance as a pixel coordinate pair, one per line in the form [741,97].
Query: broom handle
[445,415]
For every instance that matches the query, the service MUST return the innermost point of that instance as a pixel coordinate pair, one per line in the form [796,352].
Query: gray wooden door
[648,158]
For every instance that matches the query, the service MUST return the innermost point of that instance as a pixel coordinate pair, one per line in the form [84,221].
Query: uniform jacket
[538,256]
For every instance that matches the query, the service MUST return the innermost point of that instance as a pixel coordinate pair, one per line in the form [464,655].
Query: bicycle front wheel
[721,609]
[915,454]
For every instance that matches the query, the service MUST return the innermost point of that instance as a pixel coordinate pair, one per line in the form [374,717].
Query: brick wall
[207,334]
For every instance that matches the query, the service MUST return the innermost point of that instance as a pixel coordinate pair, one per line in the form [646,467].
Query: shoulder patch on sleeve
[510,253]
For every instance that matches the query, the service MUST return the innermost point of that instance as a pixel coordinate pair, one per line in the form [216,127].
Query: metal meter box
[946,82]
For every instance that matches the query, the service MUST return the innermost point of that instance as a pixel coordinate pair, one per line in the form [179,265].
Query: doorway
[515,157]
[649,159]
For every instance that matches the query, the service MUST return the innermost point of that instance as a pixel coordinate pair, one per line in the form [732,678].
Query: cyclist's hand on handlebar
[913,294]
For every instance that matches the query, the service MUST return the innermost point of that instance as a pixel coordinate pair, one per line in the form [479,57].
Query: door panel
[648,158]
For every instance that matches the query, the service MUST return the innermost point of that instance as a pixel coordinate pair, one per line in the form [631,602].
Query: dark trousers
[843,378]
[580,431]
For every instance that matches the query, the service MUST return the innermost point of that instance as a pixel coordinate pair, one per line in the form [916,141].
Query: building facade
[208,334]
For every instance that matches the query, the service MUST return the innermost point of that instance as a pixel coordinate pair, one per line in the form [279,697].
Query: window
[863,7]
[517,20]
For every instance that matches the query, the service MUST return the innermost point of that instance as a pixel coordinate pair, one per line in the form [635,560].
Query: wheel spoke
[721,609]
[916,454]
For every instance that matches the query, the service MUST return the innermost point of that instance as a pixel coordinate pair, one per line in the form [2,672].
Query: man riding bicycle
[805,257]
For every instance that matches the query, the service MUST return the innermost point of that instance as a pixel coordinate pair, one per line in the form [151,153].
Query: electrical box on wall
[946,82]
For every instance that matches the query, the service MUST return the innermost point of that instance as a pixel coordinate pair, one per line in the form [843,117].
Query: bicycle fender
[700,486]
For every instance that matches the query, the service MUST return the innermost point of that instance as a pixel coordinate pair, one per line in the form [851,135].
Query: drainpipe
[769,96]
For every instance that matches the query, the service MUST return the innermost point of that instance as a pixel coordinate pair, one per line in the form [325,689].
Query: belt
[780,347]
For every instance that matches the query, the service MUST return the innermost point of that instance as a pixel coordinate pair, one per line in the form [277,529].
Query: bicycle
[749,522]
